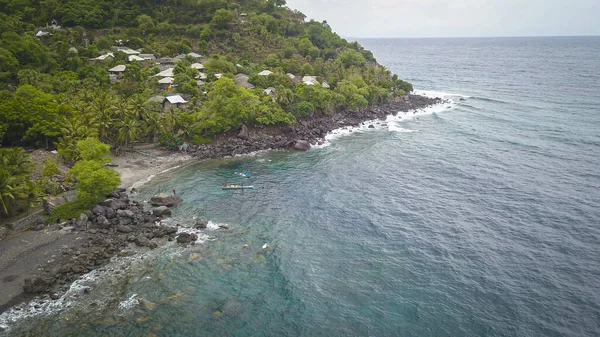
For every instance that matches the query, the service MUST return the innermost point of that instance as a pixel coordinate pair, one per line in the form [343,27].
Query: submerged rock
[147,305]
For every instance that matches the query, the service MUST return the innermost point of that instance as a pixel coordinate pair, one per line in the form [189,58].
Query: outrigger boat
[242,174]
[235,187]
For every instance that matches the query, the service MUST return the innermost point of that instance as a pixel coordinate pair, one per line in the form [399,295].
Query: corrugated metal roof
[166,73]
[175,99]
[118,69]
[166,80]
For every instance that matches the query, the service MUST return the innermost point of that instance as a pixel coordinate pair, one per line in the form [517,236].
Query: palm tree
[171,119]
[73,130]
[128,129]
[7,181]
[284,96]
[16,161]
[137,106]
[120,109]
[152,125]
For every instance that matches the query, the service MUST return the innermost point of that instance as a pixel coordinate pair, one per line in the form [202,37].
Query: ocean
[478,217]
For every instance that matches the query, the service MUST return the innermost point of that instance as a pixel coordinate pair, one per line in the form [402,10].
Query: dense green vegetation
[53,97]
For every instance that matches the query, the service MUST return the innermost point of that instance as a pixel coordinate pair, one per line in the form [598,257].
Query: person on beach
[174,192]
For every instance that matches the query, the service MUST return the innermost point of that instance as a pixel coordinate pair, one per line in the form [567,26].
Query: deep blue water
[482,219]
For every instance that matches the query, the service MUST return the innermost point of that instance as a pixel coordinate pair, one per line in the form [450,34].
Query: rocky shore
[307,131]
[119,226]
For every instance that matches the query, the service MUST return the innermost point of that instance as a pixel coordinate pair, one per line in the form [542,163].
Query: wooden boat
[242,174]
[111,165]
[235,187]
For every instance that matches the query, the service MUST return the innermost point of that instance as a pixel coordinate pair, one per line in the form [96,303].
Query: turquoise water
[480,219]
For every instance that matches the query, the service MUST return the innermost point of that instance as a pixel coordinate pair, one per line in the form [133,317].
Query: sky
[454,18]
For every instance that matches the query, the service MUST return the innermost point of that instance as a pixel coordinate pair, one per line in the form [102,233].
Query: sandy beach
[142,162]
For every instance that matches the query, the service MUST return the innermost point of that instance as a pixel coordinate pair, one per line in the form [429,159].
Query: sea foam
[394,123]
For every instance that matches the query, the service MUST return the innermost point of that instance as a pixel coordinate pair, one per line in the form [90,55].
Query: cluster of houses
[166,76]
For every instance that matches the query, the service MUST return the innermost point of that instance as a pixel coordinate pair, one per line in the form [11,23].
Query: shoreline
[92,242]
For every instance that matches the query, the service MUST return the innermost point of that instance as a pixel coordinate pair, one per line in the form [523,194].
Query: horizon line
[467,37]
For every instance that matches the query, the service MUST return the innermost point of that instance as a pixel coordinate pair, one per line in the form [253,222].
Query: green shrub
[70,210]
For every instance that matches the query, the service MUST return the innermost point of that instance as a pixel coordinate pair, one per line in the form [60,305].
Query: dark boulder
[102,221]
[125,214]
[110,213]
[243,133]
[142,241]
[302,145]
[124,229]
[201,224]
[82,220]
[38,285]
[99,210]
[186,238]
[161,212]
[125,221]
[163,199]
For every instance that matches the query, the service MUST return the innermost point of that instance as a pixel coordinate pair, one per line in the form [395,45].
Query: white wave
[129,303]
[393,123]
[440,94]
[255,153]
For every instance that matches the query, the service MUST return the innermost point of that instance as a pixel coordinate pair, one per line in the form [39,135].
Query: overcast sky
[445,18]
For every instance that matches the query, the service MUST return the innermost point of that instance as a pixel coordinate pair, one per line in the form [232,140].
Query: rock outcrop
[107,229]
[302,145]
[163,199]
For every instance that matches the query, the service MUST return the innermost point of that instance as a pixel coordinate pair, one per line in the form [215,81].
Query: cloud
[439,18]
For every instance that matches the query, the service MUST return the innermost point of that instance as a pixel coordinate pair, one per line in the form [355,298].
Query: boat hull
[237,187]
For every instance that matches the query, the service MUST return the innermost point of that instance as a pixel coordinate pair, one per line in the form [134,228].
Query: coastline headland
[309,130]
[119,225]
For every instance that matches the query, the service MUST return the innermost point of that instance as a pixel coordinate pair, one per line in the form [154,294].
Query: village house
[164,60]
[325,85]
[101,57]
[166,73]
[125,50]
[296,79]
[242,81]
[310,80]
[194,55]
[118,70]
[166,81]
[147,57]
[265,73]
[174,101]
[132,58]
[270,91]
[179,57]
[197,66]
